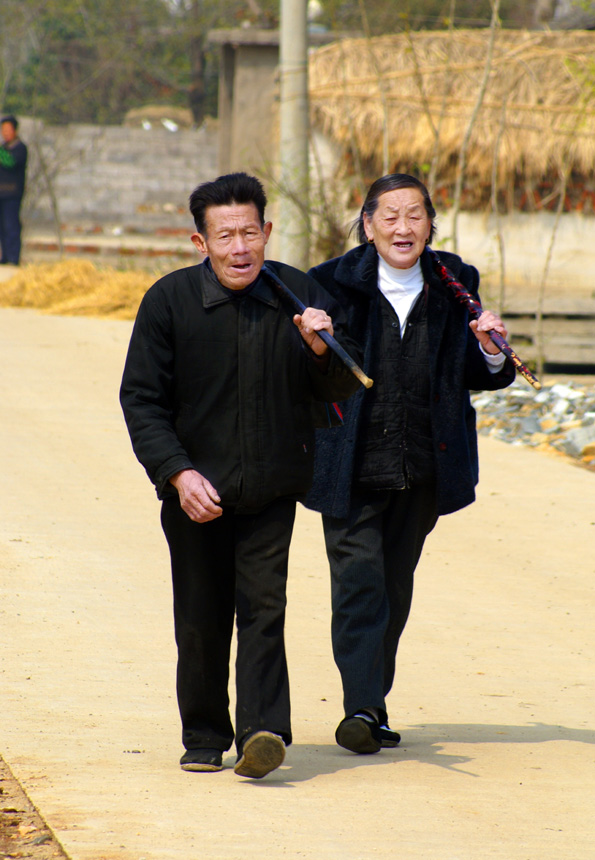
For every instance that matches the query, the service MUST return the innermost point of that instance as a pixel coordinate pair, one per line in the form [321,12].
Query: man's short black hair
[11,119]
[225,191]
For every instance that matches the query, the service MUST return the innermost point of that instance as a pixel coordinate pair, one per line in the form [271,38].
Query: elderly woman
[407,452]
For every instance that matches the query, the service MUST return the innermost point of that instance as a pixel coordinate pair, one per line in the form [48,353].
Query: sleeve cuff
[494,362]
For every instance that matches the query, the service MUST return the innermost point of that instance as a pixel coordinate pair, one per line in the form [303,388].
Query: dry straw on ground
[77,288]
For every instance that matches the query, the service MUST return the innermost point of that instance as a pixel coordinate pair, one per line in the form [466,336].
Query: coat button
[442,446]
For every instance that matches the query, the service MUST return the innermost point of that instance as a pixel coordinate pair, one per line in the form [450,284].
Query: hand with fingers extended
[198,498]
[487,322]
[310,321]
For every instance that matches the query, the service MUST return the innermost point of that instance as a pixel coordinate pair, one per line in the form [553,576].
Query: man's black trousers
[237,562]
[10,230]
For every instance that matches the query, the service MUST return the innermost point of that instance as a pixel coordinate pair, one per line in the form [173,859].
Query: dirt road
[494,694]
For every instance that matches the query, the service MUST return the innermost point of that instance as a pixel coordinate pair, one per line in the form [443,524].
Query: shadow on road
[421,743]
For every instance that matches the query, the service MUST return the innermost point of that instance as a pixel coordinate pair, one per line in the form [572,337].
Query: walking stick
[475,309]
[299,307]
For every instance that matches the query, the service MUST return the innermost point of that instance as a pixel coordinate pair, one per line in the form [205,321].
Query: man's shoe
[388,737]
[202,760]
[359,734]
[261,753]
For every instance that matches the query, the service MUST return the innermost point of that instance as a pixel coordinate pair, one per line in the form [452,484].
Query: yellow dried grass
[76,287]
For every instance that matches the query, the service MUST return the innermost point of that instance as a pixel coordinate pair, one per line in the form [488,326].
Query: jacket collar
[358,269]
[214,294]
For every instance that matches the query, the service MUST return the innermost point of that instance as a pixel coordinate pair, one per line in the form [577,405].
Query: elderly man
[219,391]
[13,164]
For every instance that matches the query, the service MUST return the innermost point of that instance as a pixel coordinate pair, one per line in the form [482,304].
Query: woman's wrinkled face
[400,227]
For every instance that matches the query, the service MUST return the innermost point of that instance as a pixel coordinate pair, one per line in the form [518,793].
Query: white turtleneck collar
[401,287]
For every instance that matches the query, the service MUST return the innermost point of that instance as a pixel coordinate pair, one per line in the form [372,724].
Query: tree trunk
[196,93]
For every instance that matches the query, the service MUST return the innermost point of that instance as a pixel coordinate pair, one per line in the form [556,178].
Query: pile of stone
[559,418]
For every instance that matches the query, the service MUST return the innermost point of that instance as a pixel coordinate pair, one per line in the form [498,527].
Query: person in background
[220,391]
[407,452]
[13,166]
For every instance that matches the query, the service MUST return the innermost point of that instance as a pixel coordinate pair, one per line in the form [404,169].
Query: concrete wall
[570,282]
[114,175]
[247,93]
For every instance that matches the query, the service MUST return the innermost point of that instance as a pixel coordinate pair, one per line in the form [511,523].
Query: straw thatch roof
[537,114]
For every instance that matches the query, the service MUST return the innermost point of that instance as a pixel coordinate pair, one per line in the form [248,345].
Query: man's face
[8,131]
[234,242]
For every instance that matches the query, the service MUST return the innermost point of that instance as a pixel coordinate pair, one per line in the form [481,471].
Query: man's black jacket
[224,384]
[13,166]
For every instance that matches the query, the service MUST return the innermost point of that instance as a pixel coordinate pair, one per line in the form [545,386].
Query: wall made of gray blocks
[130,177]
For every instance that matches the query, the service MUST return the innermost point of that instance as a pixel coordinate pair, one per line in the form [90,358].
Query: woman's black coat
[456,367]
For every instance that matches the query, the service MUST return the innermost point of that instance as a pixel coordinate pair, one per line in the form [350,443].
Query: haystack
[537,115]
[76,288]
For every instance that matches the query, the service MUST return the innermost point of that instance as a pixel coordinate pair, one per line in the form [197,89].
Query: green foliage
[87,60]
[92,60]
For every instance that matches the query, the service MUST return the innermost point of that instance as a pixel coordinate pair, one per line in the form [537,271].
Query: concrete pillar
[294,232]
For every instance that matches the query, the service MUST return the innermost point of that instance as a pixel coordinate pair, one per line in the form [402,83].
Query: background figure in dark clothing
[13,164]
[407,452]
[220,389]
